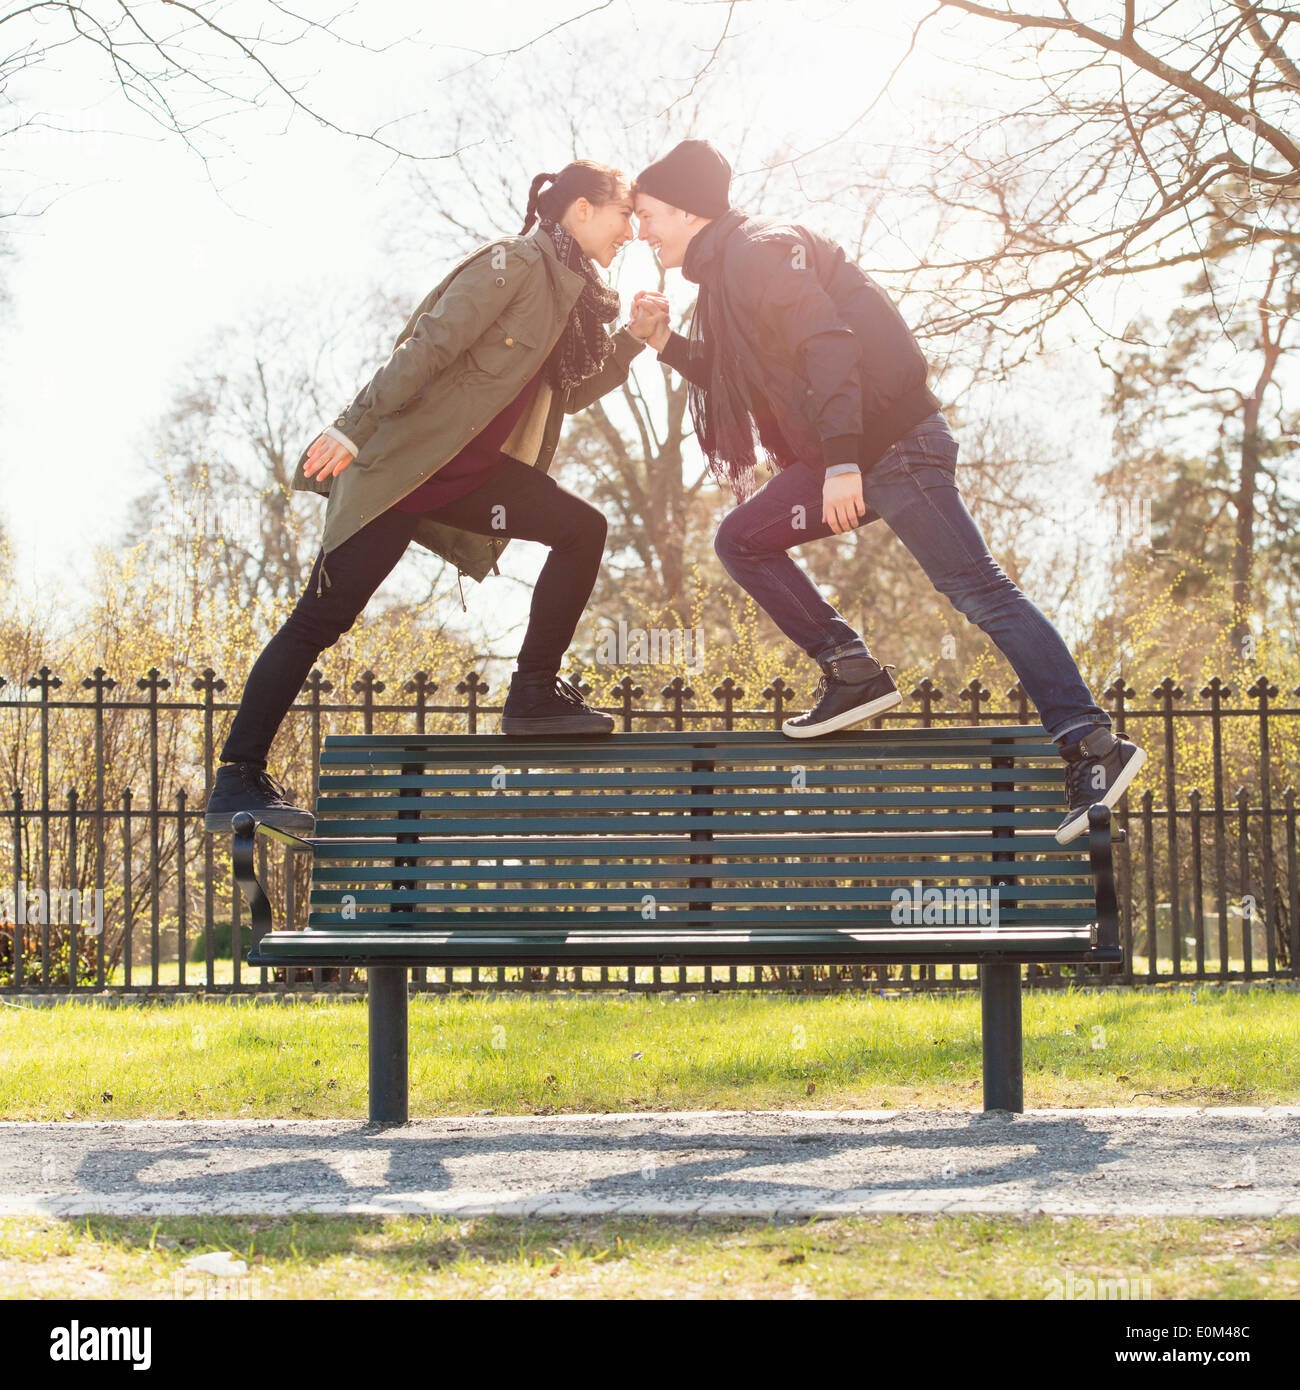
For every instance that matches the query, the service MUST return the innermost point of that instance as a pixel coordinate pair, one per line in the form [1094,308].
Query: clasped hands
[648,319]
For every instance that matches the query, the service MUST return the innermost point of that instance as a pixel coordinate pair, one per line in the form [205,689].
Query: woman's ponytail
[534,193]
[597,183]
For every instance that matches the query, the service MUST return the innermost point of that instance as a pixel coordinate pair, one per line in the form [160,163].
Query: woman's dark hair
[597,183]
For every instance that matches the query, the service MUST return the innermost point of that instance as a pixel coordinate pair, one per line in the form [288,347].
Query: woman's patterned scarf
[584,347]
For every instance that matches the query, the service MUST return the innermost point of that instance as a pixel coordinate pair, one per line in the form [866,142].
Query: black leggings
[534,508]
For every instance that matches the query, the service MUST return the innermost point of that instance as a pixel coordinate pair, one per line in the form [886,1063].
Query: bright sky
[137,260]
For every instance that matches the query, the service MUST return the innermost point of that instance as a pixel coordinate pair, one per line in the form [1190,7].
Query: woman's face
[601,229]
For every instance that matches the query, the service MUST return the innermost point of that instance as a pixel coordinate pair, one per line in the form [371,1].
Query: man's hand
[649,319]
[326,457]
[842,504]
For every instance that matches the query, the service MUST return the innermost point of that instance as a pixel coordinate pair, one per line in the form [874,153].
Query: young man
[793,342]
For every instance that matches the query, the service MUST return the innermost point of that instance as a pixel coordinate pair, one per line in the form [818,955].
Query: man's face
[667,229]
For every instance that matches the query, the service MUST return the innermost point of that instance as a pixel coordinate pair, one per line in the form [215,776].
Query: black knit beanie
[692,176]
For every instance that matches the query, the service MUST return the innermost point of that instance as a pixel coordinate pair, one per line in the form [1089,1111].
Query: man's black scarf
[723,414]
[584,347]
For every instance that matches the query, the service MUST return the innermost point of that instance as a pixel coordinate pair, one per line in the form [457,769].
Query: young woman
[448,445]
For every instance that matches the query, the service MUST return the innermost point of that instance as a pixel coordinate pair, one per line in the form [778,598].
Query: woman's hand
[842,504]
[326,457]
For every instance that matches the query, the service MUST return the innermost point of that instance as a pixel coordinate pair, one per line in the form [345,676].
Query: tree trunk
[1243,551]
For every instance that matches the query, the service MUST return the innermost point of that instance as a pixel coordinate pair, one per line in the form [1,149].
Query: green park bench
[692,849]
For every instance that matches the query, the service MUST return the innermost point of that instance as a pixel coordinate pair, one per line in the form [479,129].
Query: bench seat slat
[771,947]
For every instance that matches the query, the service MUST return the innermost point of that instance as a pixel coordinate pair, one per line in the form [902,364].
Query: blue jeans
[913,488]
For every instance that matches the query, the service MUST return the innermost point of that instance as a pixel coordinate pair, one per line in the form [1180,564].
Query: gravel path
[1221,1161]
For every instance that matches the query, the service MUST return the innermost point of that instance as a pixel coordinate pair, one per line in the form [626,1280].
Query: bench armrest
[246,828]
[1103,873]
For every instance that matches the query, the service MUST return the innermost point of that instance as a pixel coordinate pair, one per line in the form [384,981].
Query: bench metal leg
[386,987]
[1004,1086]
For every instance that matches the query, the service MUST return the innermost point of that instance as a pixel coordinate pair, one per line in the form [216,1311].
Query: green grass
[974,1257]
[520,1055]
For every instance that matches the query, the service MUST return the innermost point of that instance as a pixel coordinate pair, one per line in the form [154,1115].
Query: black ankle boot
[1101,766]
[542,703]
[852,690]
[249,787]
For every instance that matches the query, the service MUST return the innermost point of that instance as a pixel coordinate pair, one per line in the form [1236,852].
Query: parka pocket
[499,349]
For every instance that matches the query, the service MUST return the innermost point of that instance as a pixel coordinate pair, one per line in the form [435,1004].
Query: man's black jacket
[833,349]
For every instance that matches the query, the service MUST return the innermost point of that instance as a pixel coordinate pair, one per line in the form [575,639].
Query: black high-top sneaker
[249,787]
[542,703]
[1101,765]
[852,689]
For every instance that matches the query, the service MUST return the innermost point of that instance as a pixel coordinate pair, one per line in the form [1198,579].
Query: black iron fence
[112,884]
